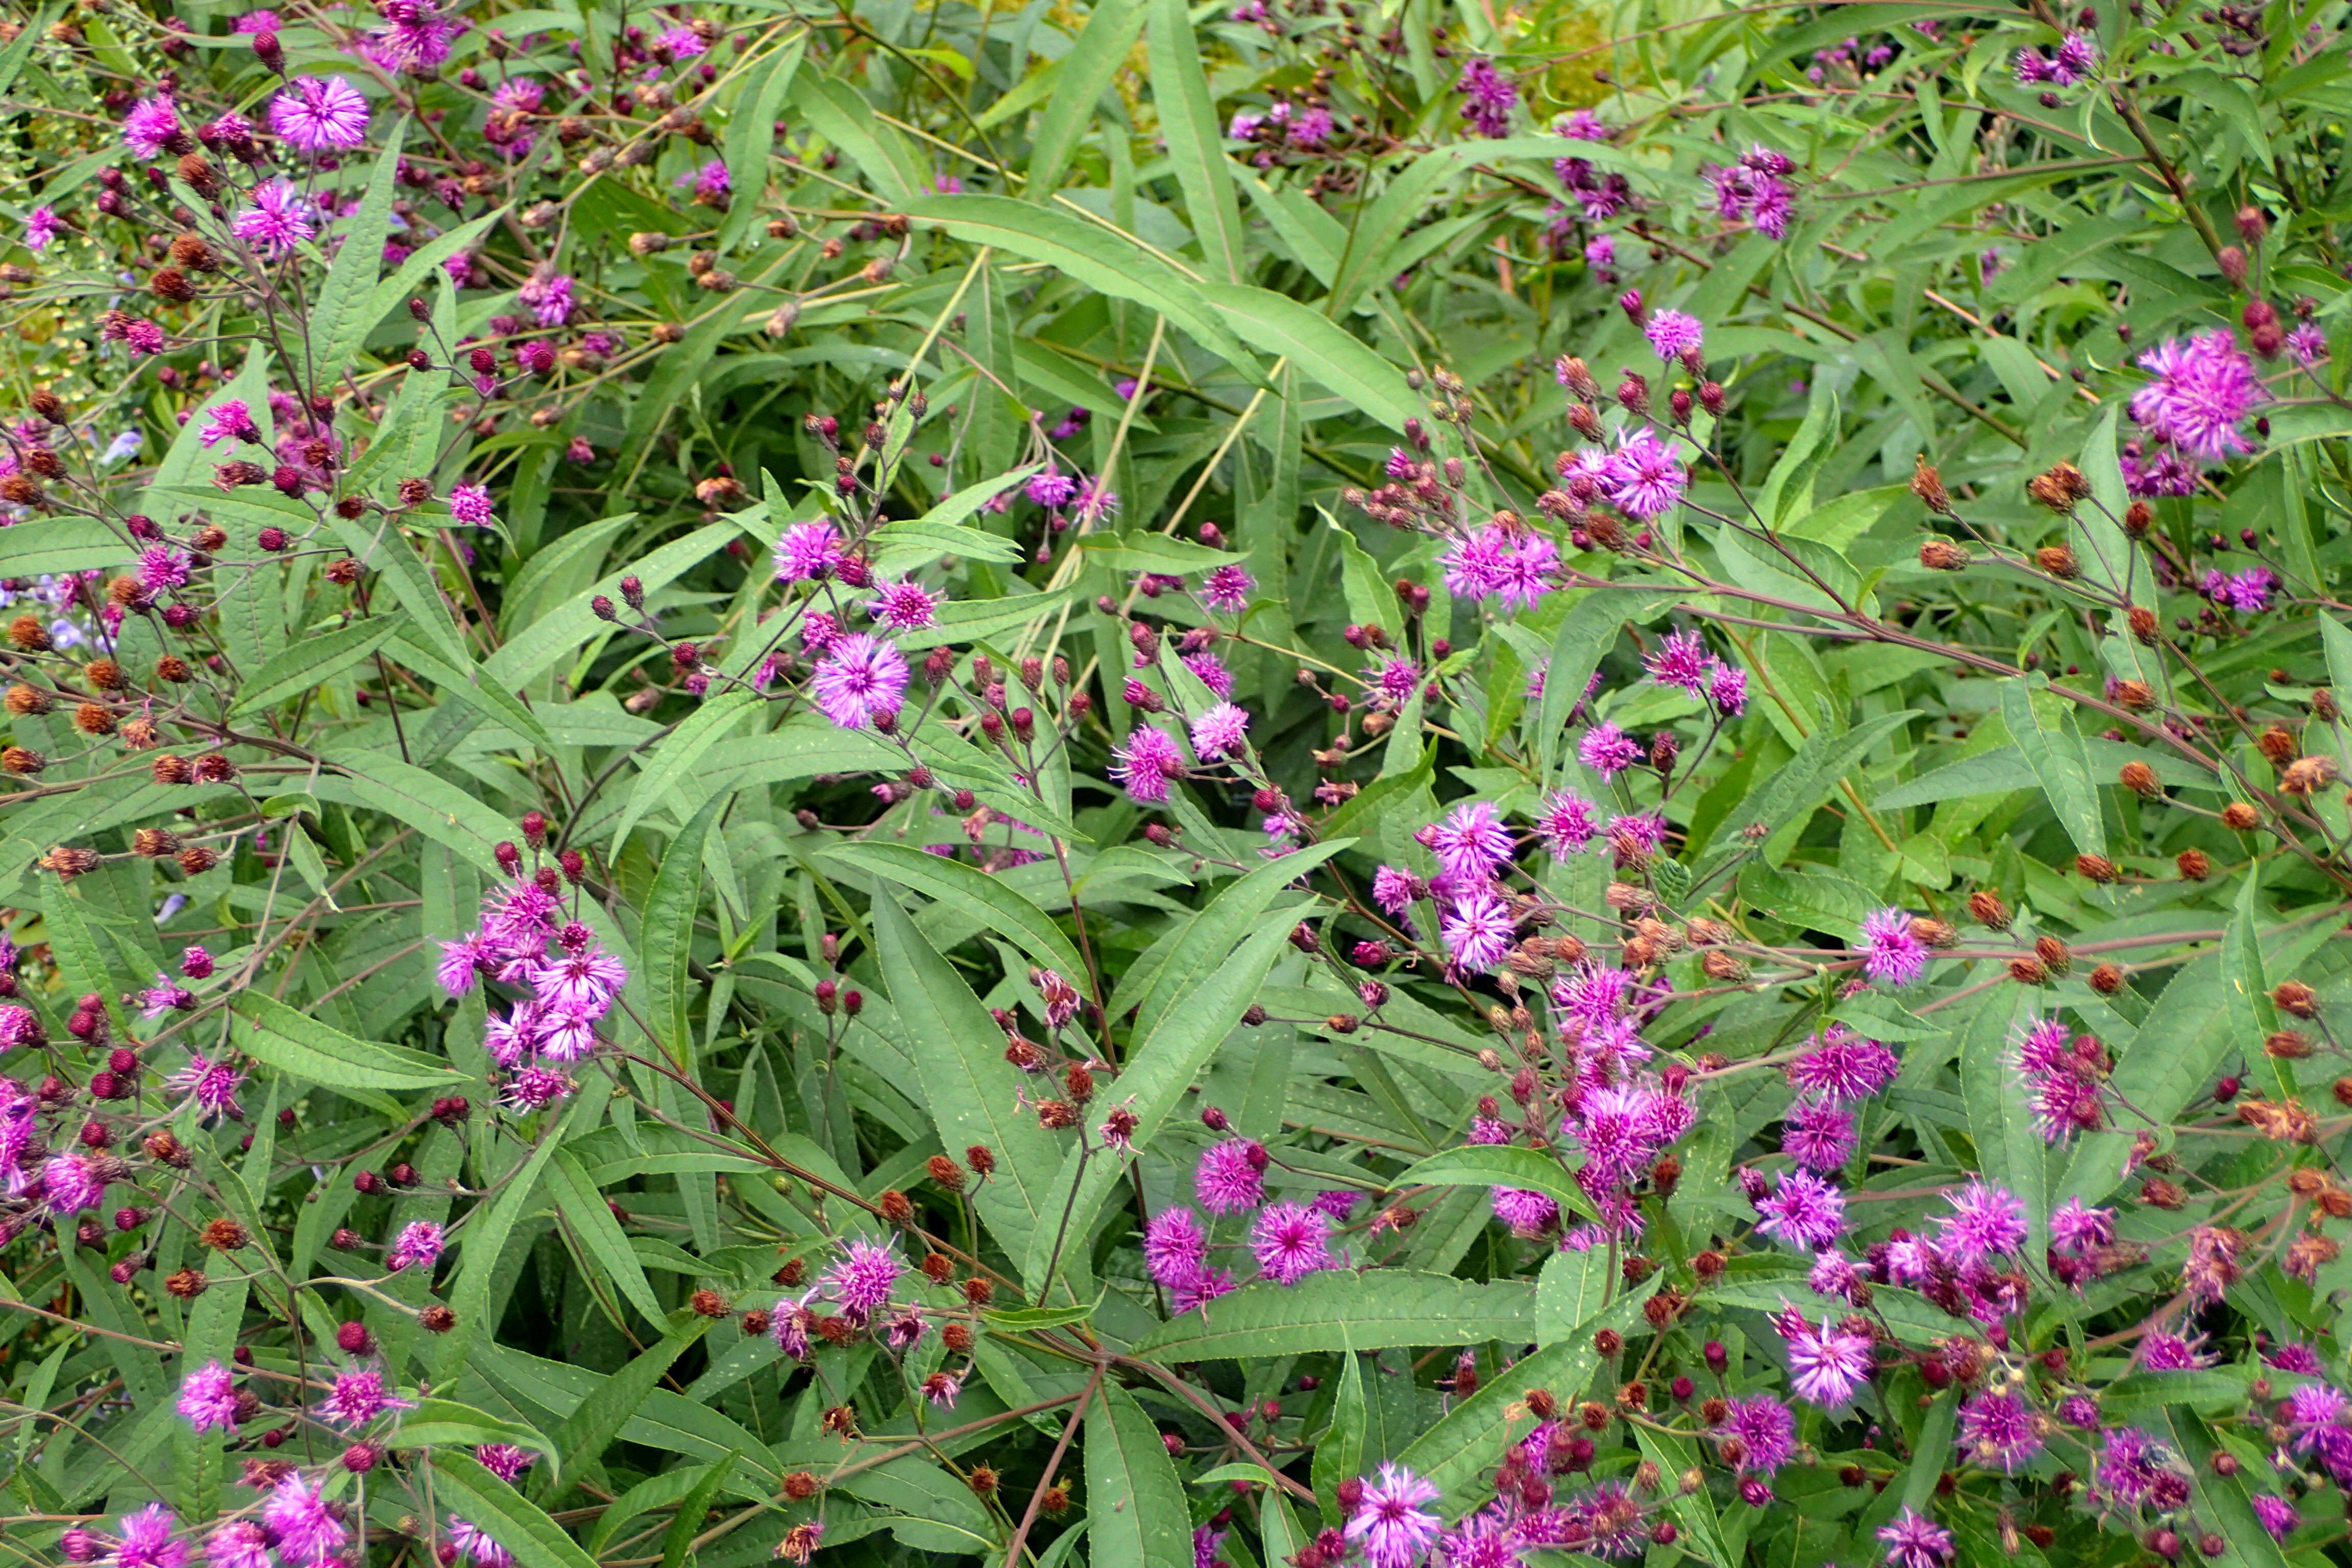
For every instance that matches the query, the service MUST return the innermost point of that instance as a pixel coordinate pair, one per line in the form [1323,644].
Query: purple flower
[415,37]
[1680,659]
[239,1543]
[1891,955]
[1607,750]
[1478,931]
[162,568]
[280,219]
[2127,1469]
[70,1183]
[1526,1213]
[711,185]
[229,420]
[1999,1429]
[863,679]
[477,1546]
[905,607]
[2204,385]
[2163,1351]
[1200,1290]
[1584,125]
[208,1397]
[470,504]
[1843,1066]
[1220,732]
[1174,1246]
[807,551]
[2077,53]
[1231,1176]
[316,113]
[1390,1525]
[212,1084]
[151,125]
[147,1540]
[504,1460]
[2277,1515]
[1673,333]
[2307,342]
[1646,478]
[1211,671]
[1817,1135]
[1490,99]
[1226,590]
[358,1396]
[1804,1211]
[1394,683]
[2249,591]
[41,226]
[549,294]
[1394,890]
[1727,688]
[1915,1540]
[1471,845]
[1565,823]
[1291,1241]
[1986,1222]
[2292,1356]
[1825,1366]
[536,1088]
[418,1246]
[861,1281]
[1051,488]
[1766,1432]
[1146,763]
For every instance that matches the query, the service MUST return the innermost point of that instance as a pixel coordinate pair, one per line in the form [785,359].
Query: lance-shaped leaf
[1343,1310]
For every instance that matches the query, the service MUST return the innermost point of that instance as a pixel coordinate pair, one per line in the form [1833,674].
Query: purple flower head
[1804,1211]
[1390,1525]
[475,1545]
[1680,659]
[2077,53]
[1201,1289]
[229,420]
[1915,1540]
[1825,1366]
[358,1396]
[1607,750]
[1999,1429]
[1891,955]
[1478,931]
[418,1246]
[1231,1176]
[147,1541]
[415,36]
[70,1183]
[151,125]
[1526,1213]
[41,226]
[2277,1515]
[807,551]
[2307,342]
[1817,1135]
[1211,671]
[2128,1465]
[504,1460]
[1765,1430]
[1174,1246]
[239,1543]
[1392,683]
[209,1398]
[1842,1066]
[1393,889]
[1146,763]
[1645,477]
[549,294]
[1471,845]
[2160,1350]
[212,1085]
[1051,488]
[319,113]
[1673,333]
[280,219]
[2249,591]
[2204,384]
[1986,1222]
[1226,590]
[905,607]
[861,1279]
[2294,1356]
[1565,823]
[1490,98]
[1290,1242]
[863,679]
[2074,1228]
[1220,732]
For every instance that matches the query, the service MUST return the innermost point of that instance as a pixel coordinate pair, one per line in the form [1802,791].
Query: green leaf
[2332,633]
[1194,138]
[340,322]
[314,661]
[1326,352]
[959,1056]
[409,278]
[531,649]
[996,905]
[1340,1452]
[590,1216]
[1136,1509]
[1789,798]
[442,1422]
[1344,1309]
[596,1420]
[464,1487]
[295,1042]
[665,939]
[408,795]
[1093,256]
[679,750]
[2224,1499]
[1081,78]
[751,136]
[1142,550]
[60,544]
[386,548]
[687,1523]
[2181,1046]
[1498,1165]
[2053,747]
[1029,1320]
[2011,1150]
[1586,635]
[458,683]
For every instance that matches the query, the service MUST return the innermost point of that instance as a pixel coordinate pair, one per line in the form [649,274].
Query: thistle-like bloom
[1392,683]
[1231,1176]
[1202,1289]
[1212,671]
[239,1543]
[1842,1066]
[1146,763]
[1817,1135]
[1291,1241]
[1915,1540]
[212,1084]
[418,1246]
[70,1183]
[1478,931]
[536,1088]
[1220,732]
[319,113]
[504,1460]
[905,607]
[1646,478]
[1891,955]
[807,551]
[229,420]
[1051,489]
[862,679]
[1766,1432]
[1226,590]
[1174,1246]
[1391,1526]
[165,996]
[583,982]
[1673,333]
[150,125]
[549,294]
[470,504]
[2277,1515]
[358,1396]
[1804,1211]
[41,227]
[2160,1350]
[1680,659]
[1489,98]
[861,1281]
[1393,889]
[1607,750]
[1999,1429]
[162,568]
[1986,1222]
[475,1546]
[147,1541]
[2204,385]
[1526,1213]
[280,219]
[2128,1467]
[307,1531]
[1565,824]
[208,1397]
[1471,845]
[415,36]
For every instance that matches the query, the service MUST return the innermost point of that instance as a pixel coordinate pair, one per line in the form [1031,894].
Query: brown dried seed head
[92,719]
[1942,555]
[1986,909]
[709,1303]
[69,861]
[197,858]
[2106,980]
[2194,864]
[22,759]
[28,636]
[2278,744]
[1928,486]
[1933,931]
[2096,868]
[2157,1193]
[2287,1045]
[2143,625]
[139,734]
[2058,560]
[2305,776]
[24,701]
[103,674]
[2134,696]
[173,670]
[2054,953]
[945,1172]
[170,770]
[155,842]
[2295,999]
[223,1235]
[2027,971]
[1720,966]
[187,1284]
[2139,778]
[166,1149]
[2239,815]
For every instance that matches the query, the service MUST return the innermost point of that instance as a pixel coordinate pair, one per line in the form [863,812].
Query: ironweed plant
[1320,783]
